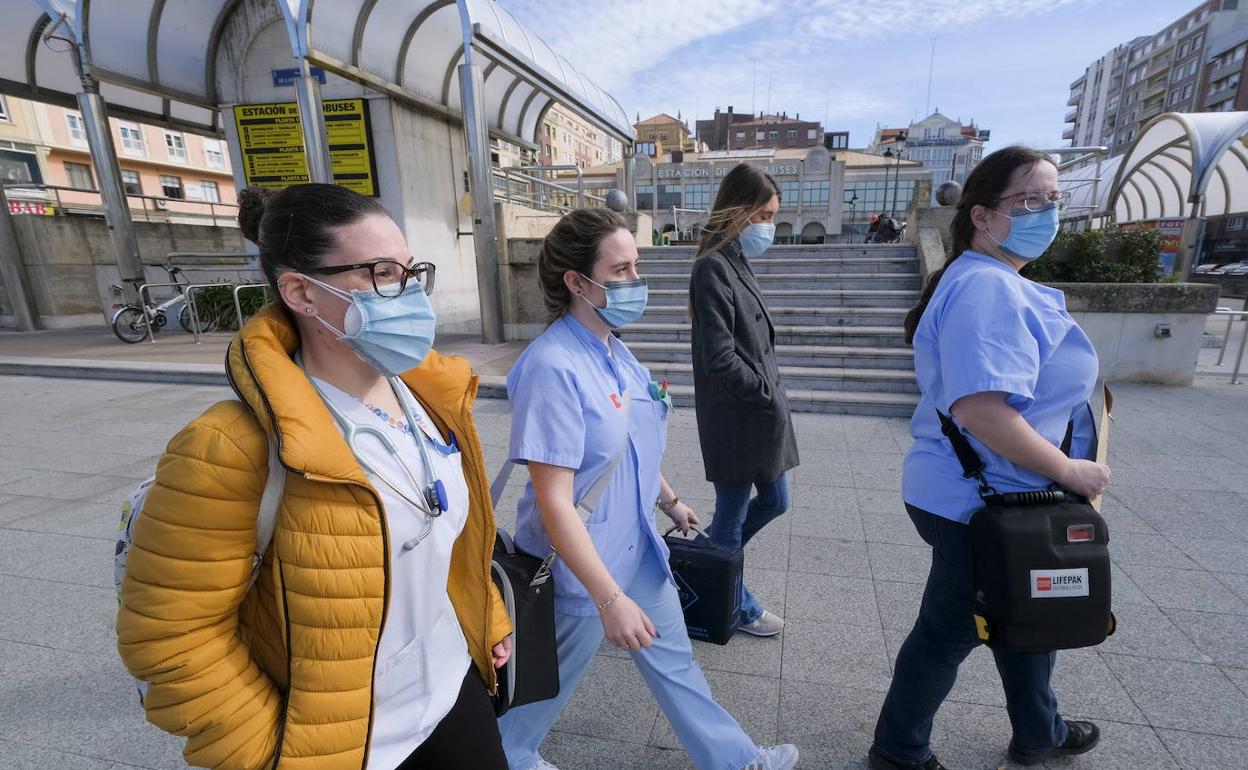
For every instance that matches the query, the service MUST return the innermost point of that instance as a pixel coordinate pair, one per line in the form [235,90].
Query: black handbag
[1041,563]
[709,581]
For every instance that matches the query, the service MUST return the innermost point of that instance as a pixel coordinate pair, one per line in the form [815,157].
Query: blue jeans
[944,634]
[738,518]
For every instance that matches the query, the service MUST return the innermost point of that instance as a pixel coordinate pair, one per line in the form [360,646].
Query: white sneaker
[543,765]
[782,757]
[764,625]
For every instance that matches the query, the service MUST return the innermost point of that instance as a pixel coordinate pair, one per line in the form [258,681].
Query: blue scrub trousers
[944,634]
[738,519]
[708,732]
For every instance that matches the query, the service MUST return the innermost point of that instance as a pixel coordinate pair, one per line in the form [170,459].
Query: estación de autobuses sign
[271,139]
[707,171]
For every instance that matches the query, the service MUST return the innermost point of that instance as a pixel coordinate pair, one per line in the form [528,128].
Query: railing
[1231,315]
[526,185]
[152,207]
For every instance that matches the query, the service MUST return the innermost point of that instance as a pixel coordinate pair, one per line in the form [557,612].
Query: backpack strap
[270,501]
[972,464]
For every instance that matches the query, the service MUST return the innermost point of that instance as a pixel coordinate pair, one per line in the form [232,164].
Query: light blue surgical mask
[391,334]
[1031,232]
[757,237]
[626,301]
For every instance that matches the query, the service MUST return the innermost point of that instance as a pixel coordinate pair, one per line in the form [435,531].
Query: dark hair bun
[252,203]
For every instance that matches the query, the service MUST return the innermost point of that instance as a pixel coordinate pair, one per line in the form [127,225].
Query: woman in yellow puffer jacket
[371,637]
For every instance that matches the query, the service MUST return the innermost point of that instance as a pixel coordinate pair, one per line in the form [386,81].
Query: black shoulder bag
[1042,572]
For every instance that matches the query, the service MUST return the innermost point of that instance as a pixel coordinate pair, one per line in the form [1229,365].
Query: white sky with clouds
[1006,63]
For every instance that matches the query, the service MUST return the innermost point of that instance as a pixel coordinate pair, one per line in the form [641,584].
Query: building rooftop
[661,119]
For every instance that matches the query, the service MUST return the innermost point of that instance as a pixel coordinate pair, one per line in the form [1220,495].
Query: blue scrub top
[987,328]
[566,395]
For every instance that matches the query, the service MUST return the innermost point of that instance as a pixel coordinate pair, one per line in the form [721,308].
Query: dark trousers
[944,634]
[466,737]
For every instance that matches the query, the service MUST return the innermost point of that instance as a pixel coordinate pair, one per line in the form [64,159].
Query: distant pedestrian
[370,638]
[582,407]
[744,426]
[1001,354]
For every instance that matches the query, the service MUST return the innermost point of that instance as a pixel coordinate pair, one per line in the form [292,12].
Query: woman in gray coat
[743,415]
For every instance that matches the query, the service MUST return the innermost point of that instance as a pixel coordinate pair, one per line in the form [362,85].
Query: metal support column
[1189,246]
[484,228]
[13,271]
[312,121]
[116,209]
[630,178]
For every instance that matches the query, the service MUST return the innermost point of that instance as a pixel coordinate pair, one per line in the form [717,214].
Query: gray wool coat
[744,424]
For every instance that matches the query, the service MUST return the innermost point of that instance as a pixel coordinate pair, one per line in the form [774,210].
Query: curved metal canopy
[1180,166]
[156,59]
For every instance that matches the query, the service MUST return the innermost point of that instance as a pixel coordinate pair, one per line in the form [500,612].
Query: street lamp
[887,154]
[896,177]
[853,205]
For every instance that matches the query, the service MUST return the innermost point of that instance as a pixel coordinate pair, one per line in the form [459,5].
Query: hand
[1085,477]
[626,626]
[683,517]
[501,652]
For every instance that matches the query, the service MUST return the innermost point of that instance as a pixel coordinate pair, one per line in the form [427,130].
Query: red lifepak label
[1059,583]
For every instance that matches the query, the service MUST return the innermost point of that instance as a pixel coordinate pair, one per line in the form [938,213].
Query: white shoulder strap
[270,500]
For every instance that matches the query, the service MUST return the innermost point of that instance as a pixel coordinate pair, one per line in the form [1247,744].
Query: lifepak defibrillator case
[709,582]
[1041,564]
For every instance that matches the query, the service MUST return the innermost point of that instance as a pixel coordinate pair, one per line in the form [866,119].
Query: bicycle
[129,322]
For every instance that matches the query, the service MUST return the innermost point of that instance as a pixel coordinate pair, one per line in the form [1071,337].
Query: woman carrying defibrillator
[1003,357]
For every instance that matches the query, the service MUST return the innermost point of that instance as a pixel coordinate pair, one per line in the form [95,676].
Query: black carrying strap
[973,467]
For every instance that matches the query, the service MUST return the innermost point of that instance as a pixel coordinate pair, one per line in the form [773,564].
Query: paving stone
[1223,637]
[1146,631]
[753,701]
[611,701]
[902,563]
[1183,696]
[840,520]
[1196,751]
[835,654]
[1185,589]
[823,556]
[831,599]
[55,557]
[1150,550]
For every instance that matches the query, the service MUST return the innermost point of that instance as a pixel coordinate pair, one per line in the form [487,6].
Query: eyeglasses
[389,277]
[1039,201]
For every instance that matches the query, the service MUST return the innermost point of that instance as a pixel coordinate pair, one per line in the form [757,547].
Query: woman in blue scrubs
[1001,354]
[578,399]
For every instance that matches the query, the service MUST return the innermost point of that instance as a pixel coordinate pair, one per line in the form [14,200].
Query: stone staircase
[838,312]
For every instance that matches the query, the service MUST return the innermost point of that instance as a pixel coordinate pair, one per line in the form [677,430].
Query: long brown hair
[984,187]
[744,191]
[572,244]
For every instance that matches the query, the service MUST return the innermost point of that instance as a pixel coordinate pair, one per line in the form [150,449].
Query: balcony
[1229,68]
[1071,116]
[1221,95]
[1075,98]
[1069,133]
[1078,82]
[1151,109]
[1156,87]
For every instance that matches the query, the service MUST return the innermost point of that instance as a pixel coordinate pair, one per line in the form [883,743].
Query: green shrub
[215,305]
[1105,255]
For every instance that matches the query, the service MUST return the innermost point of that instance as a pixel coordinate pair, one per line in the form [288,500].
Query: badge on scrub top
[658,391]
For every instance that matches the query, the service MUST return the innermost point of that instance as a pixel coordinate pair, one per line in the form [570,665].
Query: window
[760,135]
[1191,67]
[78,176]
[645,197]
[669,196]
[1240,52]
[171,187]
[815,193]
[1182,50]
[19,163]
[1236,223]
[773,134]
[77,129]
[698,196]
[1187,91]
[132,139]
[4,110]
[176,145]
[214,157]
[740,136]
[131,183]
[1174,96]
[211,193]
[812,134]
[792,134]
[788,193]
[662,137]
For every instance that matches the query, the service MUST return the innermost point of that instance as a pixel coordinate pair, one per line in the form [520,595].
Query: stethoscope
[433,501]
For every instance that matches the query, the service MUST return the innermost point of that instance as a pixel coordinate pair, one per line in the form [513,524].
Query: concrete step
[838,266]
[829,356]
[844,298]
[811,378]
[848,336]
[830,401]
[825,251]
[793,281]
[797,316]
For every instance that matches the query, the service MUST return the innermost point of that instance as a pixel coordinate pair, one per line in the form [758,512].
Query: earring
[308,309]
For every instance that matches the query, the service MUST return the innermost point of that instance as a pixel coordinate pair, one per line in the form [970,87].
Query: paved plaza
[844,567]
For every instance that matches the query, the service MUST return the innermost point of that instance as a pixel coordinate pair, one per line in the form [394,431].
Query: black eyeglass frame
[423,272]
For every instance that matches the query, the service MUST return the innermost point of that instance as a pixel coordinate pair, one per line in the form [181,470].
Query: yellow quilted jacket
[280,676]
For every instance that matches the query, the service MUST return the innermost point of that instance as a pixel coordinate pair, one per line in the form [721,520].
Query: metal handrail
[238,305]
[189,293]
[1243,341]
[144,299]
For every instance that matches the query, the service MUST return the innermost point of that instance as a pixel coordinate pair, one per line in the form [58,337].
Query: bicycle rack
[1231,315]
[189,293]
[238,306]
[144,300]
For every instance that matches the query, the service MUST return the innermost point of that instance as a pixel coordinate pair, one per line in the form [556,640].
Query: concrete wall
[70,263]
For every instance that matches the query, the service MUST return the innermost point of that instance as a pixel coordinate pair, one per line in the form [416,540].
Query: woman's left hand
[683,517]
[501,653]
